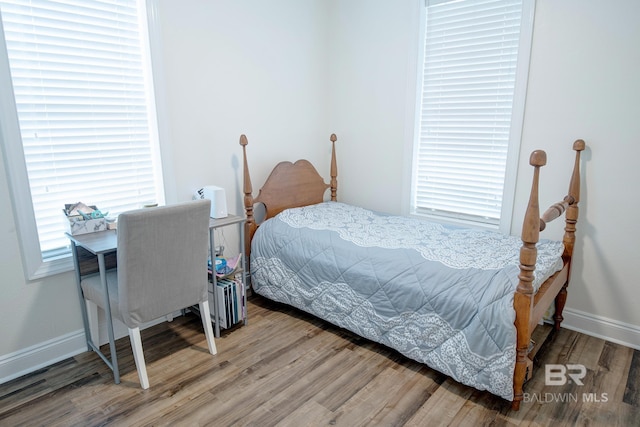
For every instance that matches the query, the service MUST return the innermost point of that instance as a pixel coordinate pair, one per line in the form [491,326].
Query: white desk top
[227,220]
[107,241]
[98,242]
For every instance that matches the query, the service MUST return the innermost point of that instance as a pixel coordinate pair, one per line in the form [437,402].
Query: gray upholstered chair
[162,268]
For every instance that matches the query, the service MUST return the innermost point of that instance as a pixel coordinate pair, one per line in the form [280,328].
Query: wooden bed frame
[299,184]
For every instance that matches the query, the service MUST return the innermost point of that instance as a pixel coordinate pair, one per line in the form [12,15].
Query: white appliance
[218,200]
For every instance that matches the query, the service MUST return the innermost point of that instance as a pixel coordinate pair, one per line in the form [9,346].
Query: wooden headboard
[290,185]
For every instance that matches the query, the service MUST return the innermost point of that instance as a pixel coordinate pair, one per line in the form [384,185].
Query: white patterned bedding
[439,295]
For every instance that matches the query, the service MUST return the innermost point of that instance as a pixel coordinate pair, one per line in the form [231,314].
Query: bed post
[523,298]
[334,168]
[571,218]
[250,224]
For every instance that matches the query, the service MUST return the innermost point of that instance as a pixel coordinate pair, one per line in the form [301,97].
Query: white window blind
[85,108]
[468,84]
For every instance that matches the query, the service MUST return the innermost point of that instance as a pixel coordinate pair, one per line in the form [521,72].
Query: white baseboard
[41,355]
[602,327]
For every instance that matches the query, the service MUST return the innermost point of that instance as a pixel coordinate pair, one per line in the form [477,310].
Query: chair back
[162,260]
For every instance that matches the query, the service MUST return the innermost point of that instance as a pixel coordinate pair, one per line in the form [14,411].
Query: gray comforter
[439,295]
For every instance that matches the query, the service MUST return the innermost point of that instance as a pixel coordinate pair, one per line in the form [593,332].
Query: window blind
[468,83]
[84,107]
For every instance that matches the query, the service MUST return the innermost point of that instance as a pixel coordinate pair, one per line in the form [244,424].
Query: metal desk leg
[112,342]
[214,309]
[245,265]
[83,306]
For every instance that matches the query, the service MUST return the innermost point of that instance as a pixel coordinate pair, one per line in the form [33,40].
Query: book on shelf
[230,294]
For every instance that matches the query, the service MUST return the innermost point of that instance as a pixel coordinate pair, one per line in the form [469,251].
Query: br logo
[560,374]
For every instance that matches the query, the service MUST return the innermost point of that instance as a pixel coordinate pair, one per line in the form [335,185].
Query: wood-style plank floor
[287,368]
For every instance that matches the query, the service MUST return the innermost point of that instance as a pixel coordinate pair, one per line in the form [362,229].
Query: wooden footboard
[530,307]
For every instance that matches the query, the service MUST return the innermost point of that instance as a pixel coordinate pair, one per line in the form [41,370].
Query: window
[473,82]
[83,103]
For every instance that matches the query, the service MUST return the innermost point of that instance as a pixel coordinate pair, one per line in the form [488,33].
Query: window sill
[52,267]
[456,222]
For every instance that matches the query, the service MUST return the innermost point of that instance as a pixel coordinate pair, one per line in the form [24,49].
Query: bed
[463,301]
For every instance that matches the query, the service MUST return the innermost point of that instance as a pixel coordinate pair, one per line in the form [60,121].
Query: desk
[103,245]
[99,244]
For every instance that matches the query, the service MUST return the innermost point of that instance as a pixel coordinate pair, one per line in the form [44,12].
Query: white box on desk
[76,224]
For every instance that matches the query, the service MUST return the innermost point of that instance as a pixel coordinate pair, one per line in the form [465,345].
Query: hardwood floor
[290,369]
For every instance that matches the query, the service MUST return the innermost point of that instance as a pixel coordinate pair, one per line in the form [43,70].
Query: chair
[161,268]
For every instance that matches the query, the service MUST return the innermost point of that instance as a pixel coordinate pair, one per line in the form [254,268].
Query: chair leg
[136,346]
[206,322]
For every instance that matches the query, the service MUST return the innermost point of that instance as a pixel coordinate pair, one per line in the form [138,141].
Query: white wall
[289,72]
[249,67]
[373,51]
[30,312]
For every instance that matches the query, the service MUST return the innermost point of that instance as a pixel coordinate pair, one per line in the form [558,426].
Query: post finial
[538,158]
[243,140]
[579,145]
